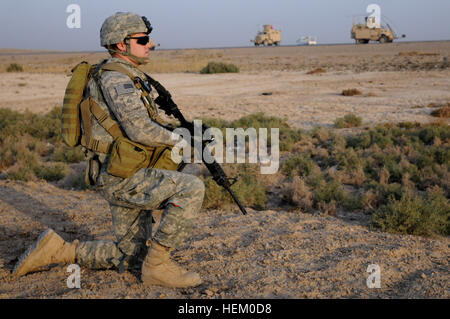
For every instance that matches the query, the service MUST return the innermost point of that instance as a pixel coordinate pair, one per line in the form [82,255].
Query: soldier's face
[139,50]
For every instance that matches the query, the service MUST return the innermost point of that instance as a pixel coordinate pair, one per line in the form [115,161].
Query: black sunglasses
[141,40]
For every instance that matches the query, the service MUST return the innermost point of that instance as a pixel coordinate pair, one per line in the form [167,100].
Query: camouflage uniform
[132,199]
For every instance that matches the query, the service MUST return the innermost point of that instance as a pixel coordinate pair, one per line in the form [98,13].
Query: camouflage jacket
[116,93]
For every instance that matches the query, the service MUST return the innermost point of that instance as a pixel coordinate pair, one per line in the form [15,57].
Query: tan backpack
[70,122]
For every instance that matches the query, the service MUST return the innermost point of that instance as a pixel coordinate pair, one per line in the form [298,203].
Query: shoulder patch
[124,88]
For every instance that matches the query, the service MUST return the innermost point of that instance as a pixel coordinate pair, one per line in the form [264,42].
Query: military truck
[269,36]
[372,31]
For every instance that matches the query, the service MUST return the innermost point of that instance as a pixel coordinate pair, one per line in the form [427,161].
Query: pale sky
[30,24]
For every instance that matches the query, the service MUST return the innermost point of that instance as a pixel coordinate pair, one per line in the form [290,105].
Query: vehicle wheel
[383,39]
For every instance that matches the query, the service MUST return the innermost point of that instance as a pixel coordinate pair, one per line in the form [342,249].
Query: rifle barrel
[164,100]
[236,200]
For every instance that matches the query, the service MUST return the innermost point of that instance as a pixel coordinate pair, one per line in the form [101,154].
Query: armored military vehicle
[370,30]
[268,36]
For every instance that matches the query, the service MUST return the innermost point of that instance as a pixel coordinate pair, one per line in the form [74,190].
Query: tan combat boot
[48,249]
[158,269]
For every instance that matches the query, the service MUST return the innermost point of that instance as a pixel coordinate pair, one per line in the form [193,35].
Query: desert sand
[267,254]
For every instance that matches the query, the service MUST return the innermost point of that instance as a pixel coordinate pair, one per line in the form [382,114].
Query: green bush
[30,168]
[13,123]
[18,152]
[287,135]
[248,190]
[352,202]
[216,122]
[63,153]
[349,120]
[329,191]
[219,67]
[51,173]
[415,215]
[298,165]
[77,181]
[348,160]
[14,67]
[385,162]
[26,140]
[24,173]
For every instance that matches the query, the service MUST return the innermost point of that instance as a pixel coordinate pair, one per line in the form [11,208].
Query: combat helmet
[119,26]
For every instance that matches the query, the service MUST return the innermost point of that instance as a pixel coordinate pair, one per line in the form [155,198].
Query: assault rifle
[165,102]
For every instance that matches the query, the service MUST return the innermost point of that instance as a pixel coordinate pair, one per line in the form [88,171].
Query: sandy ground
[266,254]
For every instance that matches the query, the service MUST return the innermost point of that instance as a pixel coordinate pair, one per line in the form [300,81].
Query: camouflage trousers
[131,201]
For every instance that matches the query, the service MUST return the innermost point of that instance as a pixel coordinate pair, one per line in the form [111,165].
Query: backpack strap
[88,108]
[151,108]
[114,66]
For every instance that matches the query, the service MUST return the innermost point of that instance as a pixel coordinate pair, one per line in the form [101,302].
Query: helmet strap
[138,60]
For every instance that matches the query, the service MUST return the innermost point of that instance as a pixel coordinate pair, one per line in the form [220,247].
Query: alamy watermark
[74,280]
[74,19]
[374,279]
[374,17]
[235,146]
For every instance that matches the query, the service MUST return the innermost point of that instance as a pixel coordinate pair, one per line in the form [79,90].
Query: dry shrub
[19,151]
[316,71]
[219,67]
[22,171]
[321,133]
[327,208]
[408,185]
[415,53]
[442,112]
[335,174]
[304,146]
[409,53]
[14,67]
[417,215]
[351,92]
[321,153]
[298,193]
[298,164]
[384,176]
[370,199]
[338,143]
[435,105]
[355,177]
[348,121]
[248,188]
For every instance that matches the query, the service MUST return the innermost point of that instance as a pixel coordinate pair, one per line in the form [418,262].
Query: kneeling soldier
[119,117]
